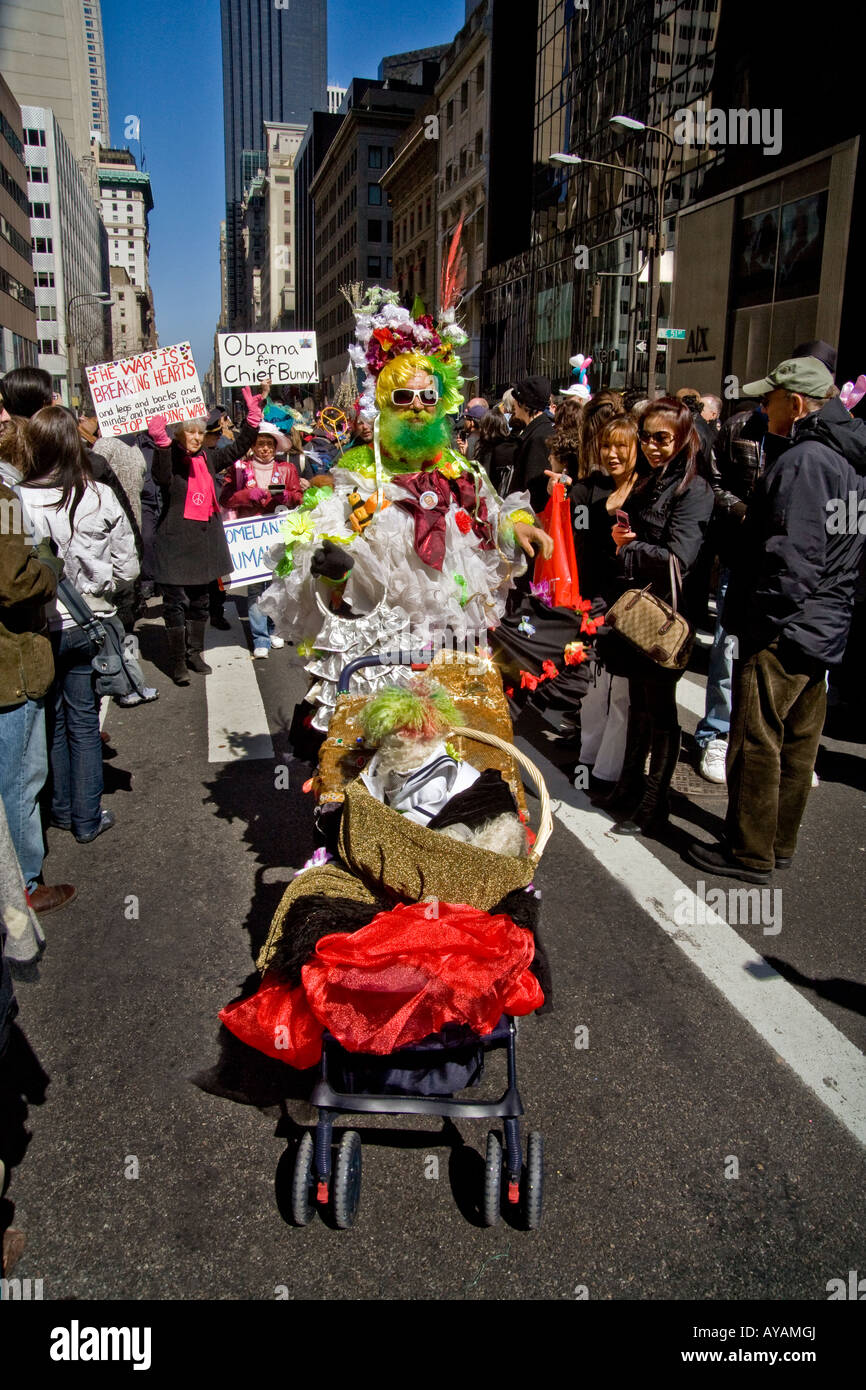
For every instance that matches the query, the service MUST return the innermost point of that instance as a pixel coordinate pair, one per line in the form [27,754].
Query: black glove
[47,555]
[331,562]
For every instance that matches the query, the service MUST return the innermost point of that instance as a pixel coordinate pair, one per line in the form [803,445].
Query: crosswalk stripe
[237,725]
[692,695]
[799,1034]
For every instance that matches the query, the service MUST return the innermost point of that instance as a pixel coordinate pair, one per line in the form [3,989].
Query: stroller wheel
[303,1182]
[533,1181]
[490,1207]
[347,1179]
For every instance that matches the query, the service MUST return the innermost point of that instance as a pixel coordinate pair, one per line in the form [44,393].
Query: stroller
[423,1079]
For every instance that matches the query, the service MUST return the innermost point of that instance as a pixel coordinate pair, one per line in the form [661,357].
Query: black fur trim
[307,920]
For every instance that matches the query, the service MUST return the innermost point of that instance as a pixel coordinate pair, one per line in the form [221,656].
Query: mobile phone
[623,518]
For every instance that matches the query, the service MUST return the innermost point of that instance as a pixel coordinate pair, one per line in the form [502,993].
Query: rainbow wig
[420,710]
[399,370]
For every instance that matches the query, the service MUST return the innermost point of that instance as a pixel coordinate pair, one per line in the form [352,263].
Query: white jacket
[98,549]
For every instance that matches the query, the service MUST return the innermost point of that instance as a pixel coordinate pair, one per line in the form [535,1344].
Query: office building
[274,69]
[335,98]
[132,328]
[52,56]
[18,328]
[410,185]
[774,191]
[312,151]
[70,257]
[279,274]
[125,203]
[353,224]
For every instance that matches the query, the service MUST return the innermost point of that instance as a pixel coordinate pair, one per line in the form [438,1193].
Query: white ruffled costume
[398,600]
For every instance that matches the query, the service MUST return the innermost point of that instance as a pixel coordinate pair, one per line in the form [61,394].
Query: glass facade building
[274,69]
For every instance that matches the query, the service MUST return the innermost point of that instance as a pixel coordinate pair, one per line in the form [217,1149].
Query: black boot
[654,809]
[195,630]
[625,797]
[176,638]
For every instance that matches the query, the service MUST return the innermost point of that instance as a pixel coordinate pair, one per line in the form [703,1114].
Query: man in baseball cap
[789,606]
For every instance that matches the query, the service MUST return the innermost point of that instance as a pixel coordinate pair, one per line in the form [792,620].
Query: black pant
[654,692]
[182,603]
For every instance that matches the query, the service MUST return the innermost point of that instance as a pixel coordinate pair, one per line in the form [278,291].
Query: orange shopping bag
[560,571]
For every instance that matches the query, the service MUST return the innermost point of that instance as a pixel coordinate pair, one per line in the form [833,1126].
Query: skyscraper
[52,55]
[274,69]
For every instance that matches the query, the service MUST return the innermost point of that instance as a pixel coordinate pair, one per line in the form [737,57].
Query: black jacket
[797,573]
[598,570]
[192,552]
[497,460]
[665,521]
[531,460]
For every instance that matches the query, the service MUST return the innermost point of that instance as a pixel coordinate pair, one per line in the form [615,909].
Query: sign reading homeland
[286,359]
[250,541]
[127,393]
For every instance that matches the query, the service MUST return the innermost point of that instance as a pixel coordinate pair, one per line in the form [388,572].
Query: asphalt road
[159,1161]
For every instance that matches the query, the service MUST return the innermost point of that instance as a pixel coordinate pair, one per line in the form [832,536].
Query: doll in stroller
[407,948]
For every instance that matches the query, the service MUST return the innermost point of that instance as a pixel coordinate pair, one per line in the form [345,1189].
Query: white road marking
[692,695]
[822,1057]
[237,726]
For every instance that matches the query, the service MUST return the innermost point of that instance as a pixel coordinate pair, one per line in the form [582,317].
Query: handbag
[654,627]
[115,659]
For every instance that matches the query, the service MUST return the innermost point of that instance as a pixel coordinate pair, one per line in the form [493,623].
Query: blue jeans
[23,769]
[716,722]
[76,747]
[260,626]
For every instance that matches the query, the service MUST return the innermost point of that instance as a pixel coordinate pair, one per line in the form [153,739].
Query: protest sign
[249,542]
[286,359]
[127,393]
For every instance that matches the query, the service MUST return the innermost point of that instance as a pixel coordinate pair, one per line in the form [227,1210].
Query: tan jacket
[26,661]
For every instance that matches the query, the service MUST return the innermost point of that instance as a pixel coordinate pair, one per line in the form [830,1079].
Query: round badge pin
[429,500]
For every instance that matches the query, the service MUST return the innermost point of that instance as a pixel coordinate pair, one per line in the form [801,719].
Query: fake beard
[410,439]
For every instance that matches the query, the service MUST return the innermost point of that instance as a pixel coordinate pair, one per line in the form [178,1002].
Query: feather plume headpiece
[421,709]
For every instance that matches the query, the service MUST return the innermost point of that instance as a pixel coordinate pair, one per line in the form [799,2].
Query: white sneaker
[815,780]
[261,652]
[712,765]
[277,642]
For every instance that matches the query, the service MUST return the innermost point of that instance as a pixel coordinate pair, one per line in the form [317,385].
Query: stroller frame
[319,1179]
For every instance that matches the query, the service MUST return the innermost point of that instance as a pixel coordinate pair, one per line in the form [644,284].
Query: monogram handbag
[653,626]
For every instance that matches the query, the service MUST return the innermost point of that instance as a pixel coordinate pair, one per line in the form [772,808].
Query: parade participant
[256,486]
[411,538]
[190,547]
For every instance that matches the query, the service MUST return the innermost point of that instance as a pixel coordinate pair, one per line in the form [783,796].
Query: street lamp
[103,298]
[562,158]
[658,242]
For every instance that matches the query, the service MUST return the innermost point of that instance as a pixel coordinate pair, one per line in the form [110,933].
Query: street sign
[672,333]
[641,346]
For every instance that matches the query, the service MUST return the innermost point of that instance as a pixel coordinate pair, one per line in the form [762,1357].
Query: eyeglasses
[404,395]
[660,437]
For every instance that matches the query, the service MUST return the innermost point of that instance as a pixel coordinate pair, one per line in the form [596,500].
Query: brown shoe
[48,897]
[14,1243]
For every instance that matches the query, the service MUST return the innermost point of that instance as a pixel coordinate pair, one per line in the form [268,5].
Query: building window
[34,137]
[287,196]
[374,265]
[374,157]
[390,269]
[42,244]
[374,195]
[479,76]
[449,114]
[374,229]
[47,311]
[464,96]
[45,279]
[390,232]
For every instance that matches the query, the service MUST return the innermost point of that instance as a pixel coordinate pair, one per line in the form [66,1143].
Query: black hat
[215,416]
[823,351]
[533,392]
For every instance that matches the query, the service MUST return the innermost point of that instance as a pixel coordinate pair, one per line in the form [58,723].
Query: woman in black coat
[190,547]
[669,511]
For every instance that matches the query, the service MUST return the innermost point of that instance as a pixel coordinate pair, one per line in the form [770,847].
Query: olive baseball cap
[806,375]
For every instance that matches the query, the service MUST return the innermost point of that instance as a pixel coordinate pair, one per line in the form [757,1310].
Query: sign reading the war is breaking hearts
[286,359]
[163,382]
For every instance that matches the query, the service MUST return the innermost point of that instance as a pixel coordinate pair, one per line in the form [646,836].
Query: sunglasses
[405,396]
[660,437]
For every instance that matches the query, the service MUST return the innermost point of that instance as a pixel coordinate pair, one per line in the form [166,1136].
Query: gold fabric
[331,880]
[476,691]
[409,861]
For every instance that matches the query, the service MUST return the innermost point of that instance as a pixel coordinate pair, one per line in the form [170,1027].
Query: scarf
[200,492]
[431,496]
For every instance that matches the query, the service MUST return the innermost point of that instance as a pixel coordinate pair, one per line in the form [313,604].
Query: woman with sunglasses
[668,512]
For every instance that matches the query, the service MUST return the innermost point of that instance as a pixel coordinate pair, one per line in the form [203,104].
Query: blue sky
[164,65]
